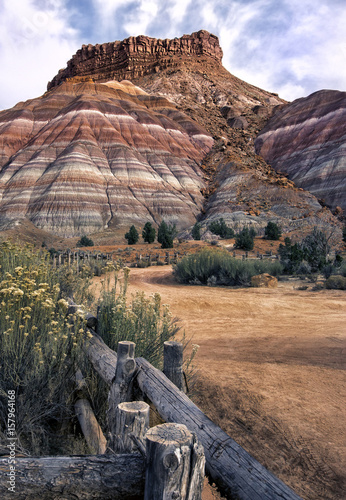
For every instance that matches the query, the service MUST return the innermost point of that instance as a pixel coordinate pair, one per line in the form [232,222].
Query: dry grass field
[271,372]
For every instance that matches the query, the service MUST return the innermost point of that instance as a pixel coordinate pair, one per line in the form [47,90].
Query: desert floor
[271,372]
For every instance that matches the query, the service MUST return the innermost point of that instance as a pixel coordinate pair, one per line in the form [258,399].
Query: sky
[292,47]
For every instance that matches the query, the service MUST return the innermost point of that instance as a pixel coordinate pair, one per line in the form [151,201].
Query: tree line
[165,234]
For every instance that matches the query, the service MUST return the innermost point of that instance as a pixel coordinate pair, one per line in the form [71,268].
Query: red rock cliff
[136,56]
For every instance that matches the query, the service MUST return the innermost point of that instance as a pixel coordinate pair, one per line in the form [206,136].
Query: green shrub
[85,242]
[313,249]
[342,268]
[143,263]
[40,349]
[336,283]
[132,236]
[217,267]
[272,231]
[245,239]
[338,260]
[221,229]
[291,256]
[143,320]
[196,231]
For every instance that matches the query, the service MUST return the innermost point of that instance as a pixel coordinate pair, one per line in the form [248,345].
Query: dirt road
[271,372]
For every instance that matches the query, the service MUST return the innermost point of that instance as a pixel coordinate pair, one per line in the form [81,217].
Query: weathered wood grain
[170,449]
[103,359]
[131,421]
[120,390]
[90,427]
[91,430]
[173,362]
[110,477]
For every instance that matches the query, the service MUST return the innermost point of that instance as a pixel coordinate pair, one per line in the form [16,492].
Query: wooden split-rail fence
[163,462]
[79,257]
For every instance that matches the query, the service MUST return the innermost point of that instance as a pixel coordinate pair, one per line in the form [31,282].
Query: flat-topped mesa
[137,56]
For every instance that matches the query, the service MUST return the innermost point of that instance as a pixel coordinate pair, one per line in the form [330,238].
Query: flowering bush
[38,344]
[142,319]
[41,347]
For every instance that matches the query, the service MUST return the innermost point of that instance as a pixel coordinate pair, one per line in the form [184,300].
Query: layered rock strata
[240,186]
[307,141]
[136,56]
[94,153]
[88,156]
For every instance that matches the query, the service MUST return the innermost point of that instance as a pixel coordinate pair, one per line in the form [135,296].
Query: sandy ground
[271,372]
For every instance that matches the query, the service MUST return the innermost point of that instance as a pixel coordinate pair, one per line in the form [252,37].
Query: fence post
[87,420]
[121,386]
[173,362]
[131,426]
[175,464]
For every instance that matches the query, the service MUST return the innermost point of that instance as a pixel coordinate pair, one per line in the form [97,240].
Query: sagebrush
[41,347]
[218,267]
[38,345]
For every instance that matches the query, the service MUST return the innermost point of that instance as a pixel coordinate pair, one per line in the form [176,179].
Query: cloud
[36,41]
[139,20]
[290,47]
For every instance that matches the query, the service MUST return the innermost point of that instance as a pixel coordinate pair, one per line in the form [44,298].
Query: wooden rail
[172,455]
[230,466]
[79,257]
[116,477]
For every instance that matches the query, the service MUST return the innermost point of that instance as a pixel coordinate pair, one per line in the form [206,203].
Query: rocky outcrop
[137,56]
[306,140]
[240,186]
[264,280]
[88,156]
[95,153]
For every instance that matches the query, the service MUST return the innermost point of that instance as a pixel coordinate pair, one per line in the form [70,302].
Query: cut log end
[134,407]
[170,434]
[175,464]
[131,420]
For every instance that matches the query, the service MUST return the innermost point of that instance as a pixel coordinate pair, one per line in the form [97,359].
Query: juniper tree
[132,236]
[272,231]
[166,234]
[148,233]
[245,239]
[220,228]
[196,231]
